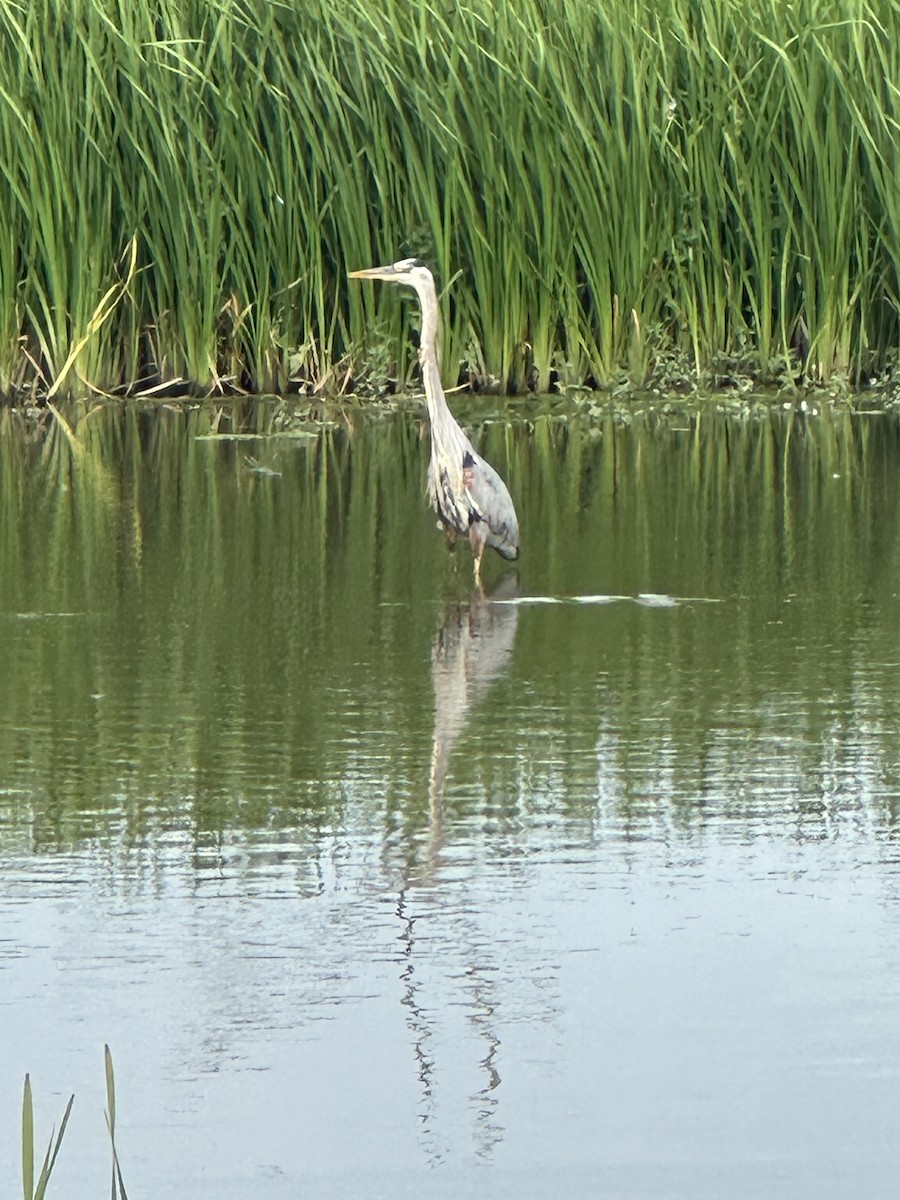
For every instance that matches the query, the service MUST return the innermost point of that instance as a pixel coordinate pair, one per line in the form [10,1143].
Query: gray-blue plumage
[465,491]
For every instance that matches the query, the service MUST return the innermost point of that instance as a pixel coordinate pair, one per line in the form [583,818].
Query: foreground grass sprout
[31,1190]
[37,1190]
[118,1187]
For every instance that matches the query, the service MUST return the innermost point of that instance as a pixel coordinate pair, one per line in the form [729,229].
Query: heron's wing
[466,491]
[491,500]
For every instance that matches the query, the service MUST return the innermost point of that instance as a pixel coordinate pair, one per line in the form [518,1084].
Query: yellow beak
[373,273]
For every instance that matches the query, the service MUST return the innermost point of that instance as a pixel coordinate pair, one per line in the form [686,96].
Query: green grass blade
[52,1152]
[118,1185]
[27,1142]
[31,1190]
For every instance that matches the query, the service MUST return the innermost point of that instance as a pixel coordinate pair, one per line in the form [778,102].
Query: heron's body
[465,491]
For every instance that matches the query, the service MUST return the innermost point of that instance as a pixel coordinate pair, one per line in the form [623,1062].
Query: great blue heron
[465,491]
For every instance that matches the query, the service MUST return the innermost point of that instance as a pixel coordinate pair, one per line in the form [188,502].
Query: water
[379,887]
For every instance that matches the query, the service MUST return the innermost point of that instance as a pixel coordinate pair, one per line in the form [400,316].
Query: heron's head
[411,271]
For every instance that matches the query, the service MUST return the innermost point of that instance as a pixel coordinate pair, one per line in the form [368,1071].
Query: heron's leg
[478,550]
[478,542]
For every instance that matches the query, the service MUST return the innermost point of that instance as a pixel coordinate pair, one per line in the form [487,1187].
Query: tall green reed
[598,188]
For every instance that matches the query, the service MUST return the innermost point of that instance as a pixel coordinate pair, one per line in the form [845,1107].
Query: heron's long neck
[443,426]
[446,436]
[429,331]
[434,391]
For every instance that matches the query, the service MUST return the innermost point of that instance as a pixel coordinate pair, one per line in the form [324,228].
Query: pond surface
[377,886]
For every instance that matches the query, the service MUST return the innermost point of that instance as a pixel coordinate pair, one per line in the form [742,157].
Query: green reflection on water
[220,635]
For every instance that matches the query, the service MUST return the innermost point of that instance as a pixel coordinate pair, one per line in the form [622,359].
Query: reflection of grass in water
[36,1190]
[240,628]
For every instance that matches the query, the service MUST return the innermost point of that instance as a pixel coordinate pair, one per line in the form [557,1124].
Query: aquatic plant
[37,1191]
[619,186]
[32,1190]
[118,1186]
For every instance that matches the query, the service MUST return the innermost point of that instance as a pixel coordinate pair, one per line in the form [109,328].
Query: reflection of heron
[471,650]
[465,491]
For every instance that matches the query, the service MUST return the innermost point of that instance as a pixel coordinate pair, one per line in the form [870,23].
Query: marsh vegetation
[609,193]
